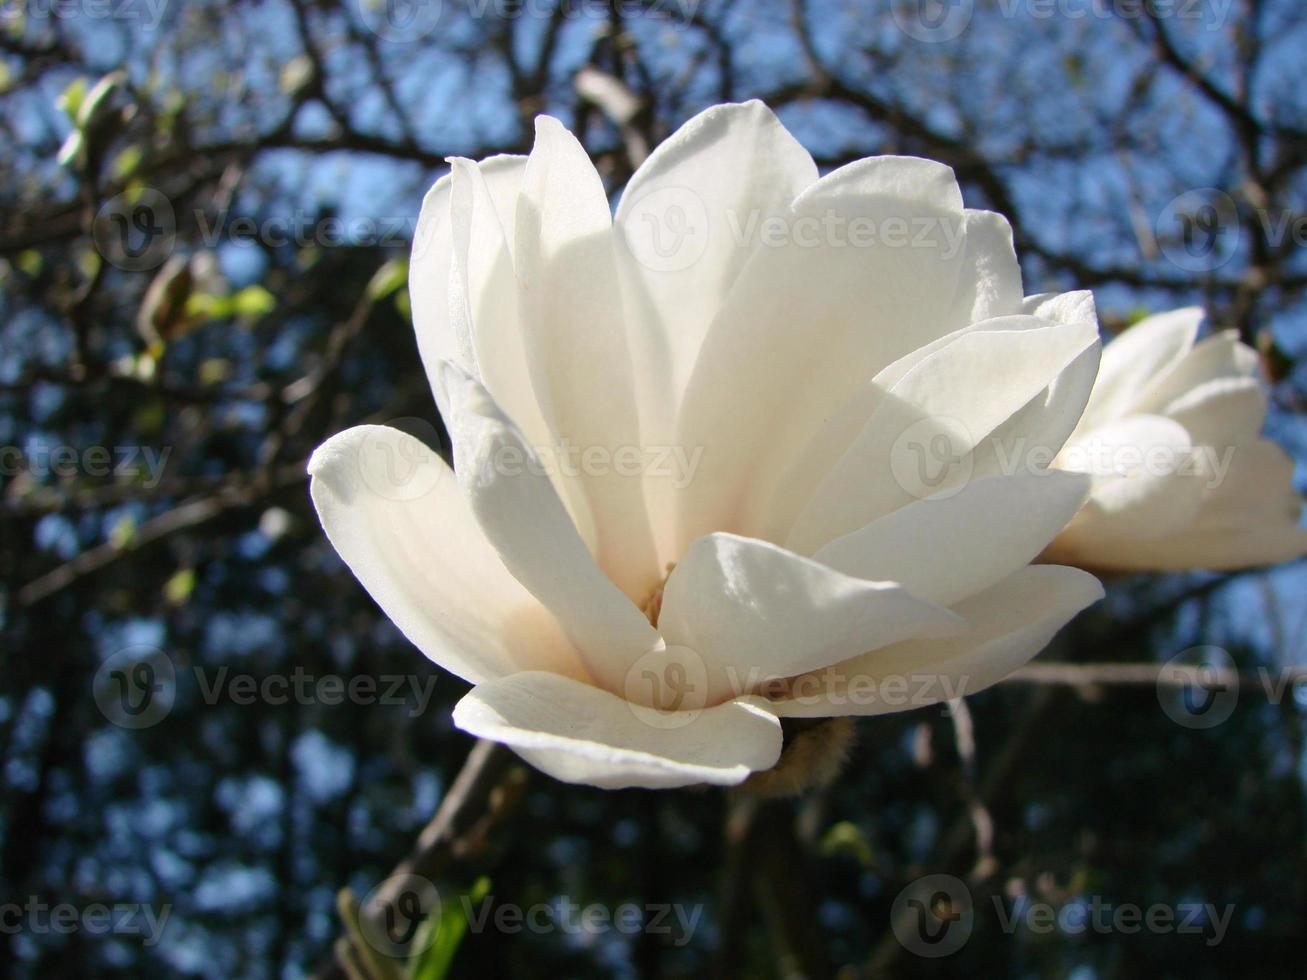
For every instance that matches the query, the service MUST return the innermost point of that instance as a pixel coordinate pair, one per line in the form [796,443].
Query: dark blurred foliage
[1104,133]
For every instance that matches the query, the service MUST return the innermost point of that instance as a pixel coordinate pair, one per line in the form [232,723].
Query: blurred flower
[1181,477]
[812,401]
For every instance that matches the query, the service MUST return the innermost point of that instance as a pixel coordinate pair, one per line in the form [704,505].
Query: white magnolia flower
[1181,477]
[820,355]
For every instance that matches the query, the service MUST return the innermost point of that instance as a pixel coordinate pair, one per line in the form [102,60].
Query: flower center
[652,606]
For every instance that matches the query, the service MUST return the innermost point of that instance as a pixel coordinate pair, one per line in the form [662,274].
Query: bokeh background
[205,212]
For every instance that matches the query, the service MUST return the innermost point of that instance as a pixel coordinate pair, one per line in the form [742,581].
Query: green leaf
[846,837]
[70,100]
[295,74]
[179,588]
[390,277]
[73,150]
[208,306]
[97,102]
[434,961]
[126,162]
[253,301]
[29,263]
[123,532]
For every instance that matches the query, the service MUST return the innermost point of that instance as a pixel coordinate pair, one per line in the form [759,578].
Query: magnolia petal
[1139,355]
[1221,413]
[575,330]
[1008,624]
[990,282]
[483,289]
[1251,480]
[581,734]
[393,511]
[524,519]
[948,548]
[1221,356]
[773,500]
[895,458]
[1028,440]
[1034,435]
[1076,306]
[685,214]
[798,316]
[1149,480]
[1216,549]
[430,265]
[755,612]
